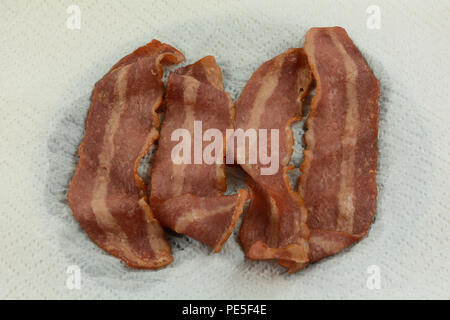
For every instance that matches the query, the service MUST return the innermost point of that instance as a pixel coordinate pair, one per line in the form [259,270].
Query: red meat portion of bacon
[274,226]
[106,195]
[338,176]
[188,197]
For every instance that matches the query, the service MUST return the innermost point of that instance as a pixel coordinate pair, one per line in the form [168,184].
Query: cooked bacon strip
[338,180]
[188,198]
[274,226]
[106,194]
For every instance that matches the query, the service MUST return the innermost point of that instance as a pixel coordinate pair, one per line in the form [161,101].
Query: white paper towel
[48,72]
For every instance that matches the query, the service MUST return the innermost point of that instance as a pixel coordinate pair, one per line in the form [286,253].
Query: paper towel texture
[47,75]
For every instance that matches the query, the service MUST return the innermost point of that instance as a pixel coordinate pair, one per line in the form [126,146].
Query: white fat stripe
[190,98]
[190,216]
[346,191]
[268,85]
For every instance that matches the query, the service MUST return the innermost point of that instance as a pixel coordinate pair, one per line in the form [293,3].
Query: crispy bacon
[188,198]
[106,195]
[338,176]
[274,226]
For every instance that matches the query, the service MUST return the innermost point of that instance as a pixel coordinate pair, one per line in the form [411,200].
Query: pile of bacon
[333,205]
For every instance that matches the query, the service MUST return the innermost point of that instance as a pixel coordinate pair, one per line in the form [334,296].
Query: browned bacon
[274,226]
[106,194]
[188,198]
[338,175]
